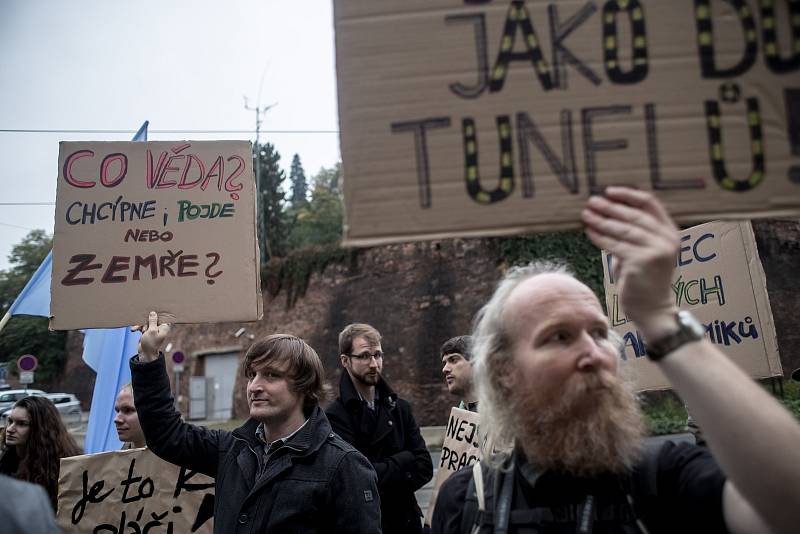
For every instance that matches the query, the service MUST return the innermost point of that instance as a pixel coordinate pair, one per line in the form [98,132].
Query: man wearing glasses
[370,415]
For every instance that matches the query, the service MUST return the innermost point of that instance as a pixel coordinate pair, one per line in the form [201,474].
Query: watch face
[688,321]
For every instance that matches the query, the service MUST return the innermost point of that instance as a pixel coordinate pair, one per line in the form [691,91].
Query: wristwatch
[689,330]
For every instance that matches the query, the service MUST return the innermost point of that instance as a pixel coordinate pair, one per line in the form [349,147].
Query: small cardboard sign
[465,118]
[164,226]
[718,278]
[132,491]
[461,447]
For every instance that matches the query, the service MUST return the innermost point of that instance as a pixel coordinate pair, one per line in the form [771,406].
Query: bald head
[534,301]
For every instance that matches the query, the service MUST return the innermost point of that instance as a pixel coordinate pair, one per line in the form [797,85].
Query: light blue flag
[107,351]
[34,299]
[35,296]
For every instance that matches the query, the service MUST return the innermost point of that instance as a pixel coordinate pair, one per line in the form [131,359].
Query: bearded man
[370,415]
[553,399]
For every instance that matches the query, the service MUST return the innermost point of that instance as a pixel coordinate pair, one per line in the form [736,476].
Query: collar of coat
[349,395]
[306,441]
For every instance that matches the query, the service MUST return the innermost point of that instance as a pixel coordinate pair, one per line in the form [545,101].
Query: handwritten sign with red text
[164,226]
[132,491]
[491,117]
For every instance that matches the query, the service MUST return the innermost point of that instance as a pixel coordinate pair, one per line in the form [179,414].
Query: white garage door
[221,375]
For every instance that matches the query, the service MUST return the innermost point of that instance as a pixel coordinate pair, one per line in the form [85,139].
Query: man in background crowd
[370,415]
[126,421]
[456,356]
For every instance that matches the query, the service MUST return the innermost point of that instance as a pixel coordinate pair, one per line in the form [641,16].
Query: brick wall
[418,295]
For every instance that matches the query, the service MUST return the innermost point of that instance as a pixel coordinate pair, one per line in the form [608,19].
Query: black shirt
[682,493]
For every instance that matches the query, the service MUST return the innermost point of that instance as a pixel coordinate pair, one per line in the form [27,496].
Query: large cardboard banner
[719,279]
[460,448]
[132,491]
[164,226]
[481,117]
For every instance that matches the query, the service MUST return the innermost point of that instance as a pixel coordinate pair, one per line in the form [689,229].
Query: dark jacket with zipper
[316,482]
[391,440]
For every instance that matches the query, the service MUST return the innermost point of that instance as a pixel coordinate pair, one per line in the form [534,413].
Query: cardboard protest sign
[164,226]
[460,448]
[132,491]
[463,118]
[718,278]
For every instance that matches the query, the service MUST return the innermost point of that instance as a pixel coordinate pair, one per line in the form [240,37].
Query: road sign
[26,377]
[178,357]
[178,367]
[27,362]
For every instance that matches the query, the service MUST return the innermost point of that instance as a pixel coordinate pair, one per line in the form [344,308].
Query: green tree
[27,334]
[297,177]
[273,228]
[572,247]
[320,222]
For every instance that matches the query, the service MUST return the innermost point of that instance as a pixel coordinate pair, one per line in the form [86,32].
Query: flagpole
[4,320]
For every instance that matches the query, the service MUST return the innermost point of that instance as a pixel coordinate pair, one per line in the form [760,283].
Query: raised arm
[754,439]
[165,432]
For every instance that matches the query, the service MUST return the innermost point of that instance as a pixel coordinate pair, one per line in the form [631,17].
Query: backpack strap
[477,476]
[478,511]
[504,493]
[476,485]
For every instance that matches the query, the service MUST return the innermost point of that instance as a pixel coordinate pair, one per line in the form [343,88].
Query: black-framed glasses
[366,356]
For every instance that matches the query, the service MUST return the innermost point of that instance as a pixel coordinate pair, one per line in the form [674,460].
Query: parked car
[9,397]
[67,404]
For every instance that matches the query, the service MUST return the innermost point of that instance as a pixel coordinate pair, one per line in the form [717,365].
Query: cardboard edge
[689,218]
[757,275]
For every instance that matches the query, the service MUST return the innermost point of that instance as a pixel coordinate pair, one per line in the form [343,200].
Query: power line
[16,226]
[32,130]
[27,203]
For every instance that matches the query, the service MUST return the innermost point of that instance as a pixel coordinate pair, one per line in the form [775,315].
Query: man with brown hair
[370,415]
[284,470]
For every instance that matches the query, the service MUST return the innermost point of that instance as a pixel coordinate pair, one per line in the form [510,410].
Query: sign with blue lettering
[719,278]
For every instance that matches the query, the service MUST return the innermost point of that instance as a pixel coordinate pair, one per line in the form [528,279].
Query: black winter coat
[315,483]
[395,448]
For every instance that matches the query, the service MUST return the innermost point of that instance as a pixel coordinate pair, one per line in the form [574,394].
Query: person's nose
[118,419]
[590,354]
[255,386]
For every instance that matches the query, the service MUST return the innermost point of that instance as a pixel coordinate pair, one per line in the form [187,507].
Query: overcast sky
[182,65]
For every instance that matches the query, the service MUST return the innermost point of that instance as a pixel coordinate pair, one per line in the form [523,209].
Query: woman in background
[36,440]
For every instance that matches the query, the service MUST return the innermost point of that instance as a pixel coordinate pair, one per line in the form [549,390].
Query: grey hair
[492,358]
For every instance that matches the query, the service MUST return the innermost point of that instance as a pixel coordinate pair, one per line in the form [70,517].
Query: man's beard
[367,379]
[592,426]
